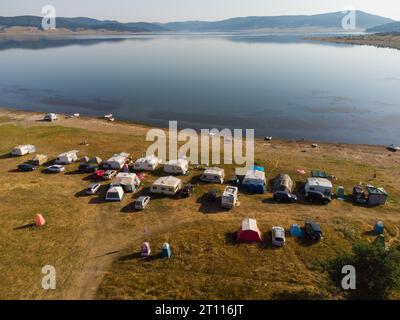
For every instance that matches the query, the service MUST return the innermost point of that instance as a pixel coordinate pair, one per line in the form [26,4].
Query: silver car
[57,168]
[278,236]
[93,188]
[109,174]
[141,203]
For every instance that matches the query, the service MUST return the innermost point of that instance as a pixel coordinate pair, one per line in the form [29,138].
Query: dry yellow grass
[94,245]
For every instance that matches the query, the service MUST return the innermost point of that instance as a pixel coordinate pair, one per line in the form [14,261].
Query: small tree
[377,271]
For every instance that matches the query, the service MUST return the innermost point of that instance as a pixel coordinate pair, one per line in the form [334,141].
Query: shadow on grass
[6,156]
[26,226]
[231,238]
[208,207]
[138,255]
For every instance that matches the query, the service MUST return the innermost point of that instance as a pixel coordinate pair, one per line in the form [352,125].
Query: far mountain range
[332,21]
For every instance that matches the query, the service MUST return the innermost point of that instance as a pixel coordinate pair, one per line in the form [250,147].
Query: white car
[109,174]
[141,203]
[57,168]
[394,148]
[93,188]
[278,236]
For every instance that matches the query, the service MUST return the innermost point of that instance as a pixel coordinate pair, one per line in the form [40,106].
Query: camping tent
[166,250]
[295,230]
[282,182]
[254,181]
[39,220]
[249,231]
[96,160]
[145,249]
[85,159]
[115,194]
[376,196]
[39,160]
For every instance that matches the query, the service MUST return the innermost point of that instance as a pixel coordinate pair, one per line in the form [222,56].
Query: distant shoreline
[97,123]
[376,40]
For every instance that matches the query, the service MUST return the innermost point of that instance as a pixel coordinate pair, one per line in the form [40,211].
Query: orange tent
[39,220]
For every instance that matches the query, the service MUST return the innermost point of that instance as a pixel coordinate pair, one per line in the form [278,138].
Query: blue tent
[379,227]
[166,250]
[258,168]
[295,231]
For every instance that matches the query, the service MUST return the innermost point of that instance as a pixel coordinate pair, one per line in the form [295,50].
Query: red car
[98,174]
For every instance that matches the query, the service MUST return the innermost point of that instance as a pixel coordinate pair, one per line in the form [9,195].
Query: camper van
[319,186]
[50,117]
[149,163]
[67,157]
[166,185]
[117,161]
[213,175]
[23,150]
[178,167]
[229,197]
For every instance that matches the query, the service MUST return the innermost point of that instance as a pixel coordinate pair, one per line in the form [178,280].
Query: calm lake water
[279,85]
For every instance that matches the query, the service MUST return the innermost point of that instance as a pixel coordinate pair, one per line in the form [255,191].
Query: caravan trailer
[23,150]
[318,186]
[167,185]
[67,157]
[149,163]
[50,117]
[213,175]
[178,167]
[117,161]
[128,181]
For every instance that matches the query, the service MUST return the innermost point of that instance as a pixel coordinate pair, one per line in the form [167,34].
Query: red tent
[249,231]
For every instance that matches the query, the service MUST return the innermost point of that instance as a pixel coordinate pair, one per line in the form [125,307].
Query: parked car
[212,195]
[56,168]
[393,148]
[141,203]
[187,191]
[93,188]
[278,236]
[26,167]
[87,168]
[109,174]
[318,197]
[313,231]
[98,174]
[284,196]
[234,181]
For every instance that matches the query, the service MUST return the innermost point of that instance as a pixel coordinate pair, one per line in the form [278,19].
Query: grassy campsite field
[94,245]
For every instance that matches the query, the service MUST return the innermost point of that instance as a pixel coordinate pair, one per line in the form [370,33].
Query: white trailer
[320,185]
[149,163]
[67,157]
[167,185]
[178,167]
[117,161]
[213,175]
[23,150]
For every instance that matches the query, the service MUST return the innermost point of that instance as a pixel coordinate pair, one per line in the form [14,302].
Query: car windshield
[279,239]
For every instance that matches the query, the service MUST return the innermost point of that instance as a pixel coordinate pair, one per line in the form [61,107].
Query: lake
[279,85]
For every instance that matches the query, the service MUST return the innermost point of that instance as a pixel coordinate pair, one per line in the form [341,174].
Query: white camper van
[319,185]
[23,150]
[178,167]
[149,163]
[213,175]
[229,197]
[117,161]
[50,117]
[167,185]
[67,157]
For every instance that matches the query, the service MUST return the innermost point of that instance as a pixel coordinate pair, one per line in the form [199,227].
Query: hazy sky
[172,10]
